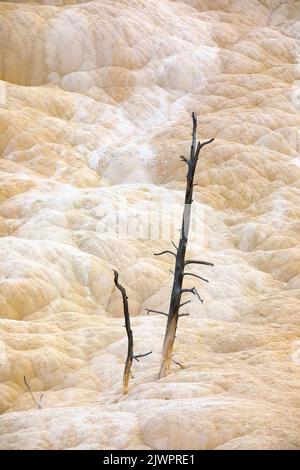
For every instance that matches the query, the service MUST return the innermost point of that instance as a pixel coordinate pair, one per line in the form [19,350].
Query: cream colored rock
[95,104]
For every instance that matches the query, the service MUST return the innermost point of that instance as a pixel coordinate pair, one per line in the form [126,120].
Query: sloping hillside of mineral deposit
[95,110]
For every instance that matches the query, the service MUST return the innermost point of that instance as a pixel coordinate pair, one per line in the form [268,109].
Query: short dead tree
[130,356]
[181,263]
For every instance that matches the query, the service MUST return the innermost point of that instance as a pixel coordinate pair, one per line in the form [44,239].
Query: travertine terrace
[95,104]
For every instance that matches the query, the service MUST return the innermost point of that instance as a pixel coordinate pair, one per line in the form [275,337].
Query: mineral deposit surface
[95,104]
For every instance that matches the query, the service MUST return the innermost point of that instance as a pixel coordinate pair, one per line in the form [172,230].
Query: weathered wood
[130,356]
[138,356]
[164,252]
[155,311]
[196,275]
[194,261]
[180,262]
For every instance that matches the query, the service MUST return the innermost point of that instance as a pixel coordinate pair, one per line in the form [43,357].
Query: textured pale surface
[98,102]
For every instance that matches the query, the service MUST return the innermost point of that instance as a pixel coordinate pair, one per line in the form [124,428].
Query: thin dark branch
[37,403]
[207,142]
[196,275]
[172,272]
[194,291]
[155,311]
[184,303]
[197,294]
[138,356]
[166,251]
[192,261]
[183,291]
[184,315]
[175,246]
[184,159]
[178,364]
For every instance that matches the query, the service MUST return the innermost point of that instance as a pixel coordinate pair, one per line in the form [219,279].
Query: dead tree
[38,404]
[180,262]
[130,356]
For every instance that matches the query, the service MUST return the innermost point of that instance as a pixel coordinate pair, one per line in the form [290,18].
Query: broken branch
[138,356]
[209,141]
[184,159]
[184,303]
[175,246]
[196,275]
[178,364]
[197,294]
[38,404]
[192,261]
[166,251]
[155,311]
[194,291]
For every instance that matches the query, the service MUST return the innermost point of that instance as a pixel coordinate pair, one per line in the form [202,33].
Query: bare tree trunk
[130,356]
[180,262]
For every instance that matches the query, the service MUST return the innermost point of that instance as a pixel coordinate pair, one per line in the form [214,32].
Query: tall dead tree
[130,356]
[180,262]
